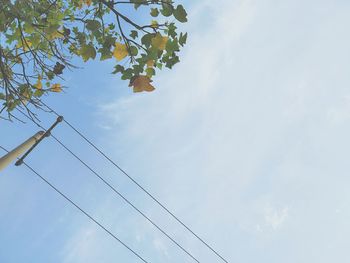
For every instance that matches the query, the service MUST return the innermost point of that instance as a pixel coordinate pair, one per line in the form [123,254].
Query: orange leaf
[141,83]
[39,84]
[56,88]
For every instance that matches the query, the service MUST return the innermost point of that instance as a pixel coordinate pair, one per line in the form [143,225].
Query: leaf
[55,35]
[87,52]
[150,72]
[92,25]
[26,95]
[38,93]
[159,42]
[58,68]
[182,39]
[39,84]
[167,9]
[62,32]
[150,63]
[172,46]
[134,51]
[120,51]
[127,74]
[84,2]
[56,88]
[154,12]
[134,34]
[159,65]
[137,3]
[154,24]
[11,105]
[105,53]
[141,83]
[25,44]
[146,40]
[172,30]
[118,68]
[180,14]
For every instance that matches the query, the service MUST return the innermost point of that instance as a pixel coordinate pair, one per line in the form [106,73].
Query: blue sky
[246,140]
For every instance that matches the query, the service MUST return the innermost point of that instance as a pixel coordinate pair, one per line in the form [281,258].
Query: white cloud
[160,246]
[275,217]
[81,246]
[249,132]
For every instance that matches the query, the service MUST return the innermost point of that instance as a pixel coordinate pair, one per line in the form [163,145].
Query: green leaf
[159,65]
[93,25]
[87,52]
[38,93]
[150,72]
[11,105]
[147,39]
[180,14]
[172,46]
[134,34]
[182,39]
[154,12]
[118,68]
[134,51]
[138,69]
[167,9]
[172,30]
[50,75]
[83,28]
[105,53]
[127,74]
[138,3]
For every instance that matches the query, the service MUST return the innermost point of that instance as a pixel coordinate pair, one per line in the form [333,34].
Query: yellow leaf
[120,51]
[154,24]
[56,88]
[81,3]
[159,41]
[25,44]
[39,85]
[141,83]
[150,63]
[54,35]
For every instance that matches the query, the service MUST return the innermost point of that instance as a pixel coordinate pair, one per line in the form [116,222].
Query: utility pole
[15,153]
[27,147]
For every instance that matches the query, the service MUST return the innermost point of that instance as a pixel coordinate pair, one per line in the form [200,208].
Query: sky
[246,141]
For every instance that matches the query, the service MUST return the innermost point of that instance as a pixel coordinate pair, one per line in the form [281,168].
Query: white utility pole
[15,153]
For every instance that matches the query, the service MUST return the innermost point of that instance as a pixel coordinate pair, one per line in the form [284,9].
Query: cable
[82,210]
[126,200]
[119,194]
[139,185]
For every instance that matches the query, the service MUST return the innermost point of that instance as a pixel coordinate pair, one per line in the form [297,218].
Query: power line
[82,210]
[139,186]
[125,199]
[119,194]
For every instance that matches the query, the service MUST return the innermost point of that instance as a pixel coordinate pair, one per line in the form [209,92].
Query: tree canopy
[39,39]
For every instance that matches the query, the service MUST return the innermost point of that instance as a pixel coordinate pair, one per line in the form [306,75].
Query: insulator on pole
[27,147]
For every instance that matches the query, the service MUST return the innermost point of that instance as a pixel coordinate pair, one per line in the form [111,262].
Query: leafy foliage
[39,38]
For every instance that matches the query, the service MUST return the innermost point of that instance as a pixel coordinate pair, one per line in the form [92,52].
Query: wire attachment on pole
[45,135]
